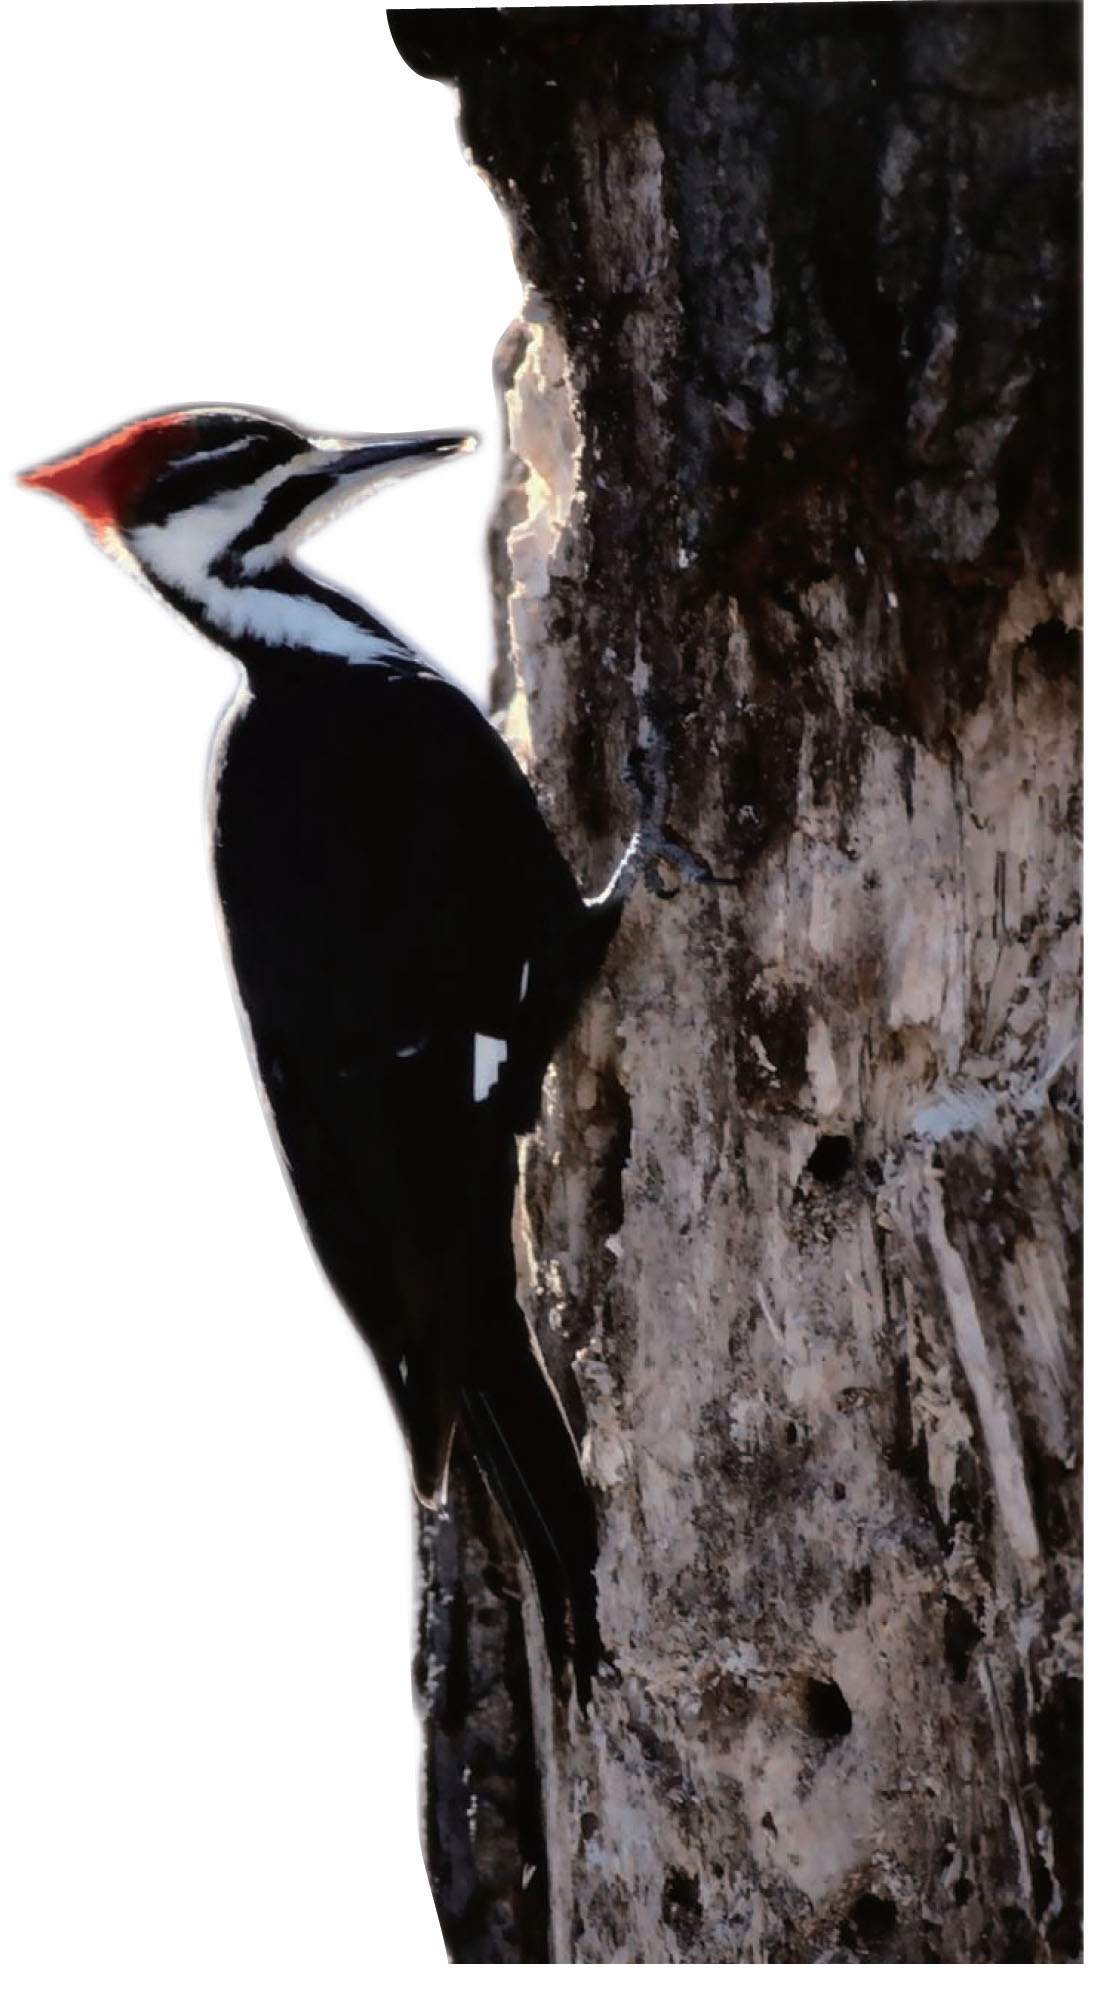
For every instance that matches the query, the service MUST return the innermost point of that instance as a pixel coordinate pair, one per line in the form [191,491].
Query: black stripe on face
[280,509]
[225,455]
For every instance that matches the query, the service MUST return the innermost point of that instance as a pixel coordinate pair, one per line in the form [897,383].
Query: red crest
[101,479]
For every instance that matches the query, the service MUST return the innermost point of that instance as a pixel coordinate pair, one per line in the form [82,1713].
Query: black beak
[376,452]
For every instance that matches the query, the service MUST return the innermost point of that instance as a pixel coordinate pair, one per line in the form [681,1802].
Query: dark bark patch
[612,1116]
[1058,1732]
[1056,649]
[859,1587]
[770,536]
[828,1713]
[961,1635]
[988,1212]
[906,762]
[971,1506]
[908,1453]
[680,1902]
[1053,1487]
[770,1043]
[948,619]
[1020,1936]
[759,762]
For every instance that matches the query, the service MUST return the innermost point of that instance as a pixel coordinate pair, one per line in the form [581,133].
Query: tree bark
[789,560]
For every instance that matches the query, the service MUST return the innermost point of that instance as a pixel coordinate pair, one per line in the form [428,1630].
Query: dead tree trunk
[790,568]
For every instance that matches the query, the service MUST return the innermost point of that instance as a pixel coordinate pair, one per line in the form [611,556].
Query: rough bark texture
[792,553]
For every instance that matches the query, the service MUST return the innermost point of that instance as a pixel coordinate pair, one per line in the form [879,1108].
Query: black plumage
[391,894]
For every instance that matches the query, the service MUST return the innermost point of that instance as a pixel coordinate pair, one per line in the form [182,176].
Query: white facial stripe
[189,542]
[223,449]
[524,974]
[182,551]
[490,1054]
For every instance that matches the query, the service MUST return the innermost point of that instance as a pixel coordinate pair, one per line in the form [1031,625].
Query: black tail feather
[524,1448]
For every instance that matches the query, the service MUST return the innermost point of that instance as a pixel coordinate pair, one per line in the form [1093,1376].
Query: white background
[208,1758]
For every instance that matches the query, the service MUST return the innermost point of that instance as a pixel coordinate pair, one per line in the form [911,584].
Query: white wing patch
[490,1054]
[524,974]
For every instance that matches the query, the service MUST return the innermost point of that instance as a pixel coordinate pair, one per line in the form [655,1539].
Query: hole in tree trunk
[831,1158]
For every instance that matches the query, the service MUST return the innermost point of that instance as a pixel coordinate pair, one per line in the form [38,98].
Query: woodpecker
[407,942]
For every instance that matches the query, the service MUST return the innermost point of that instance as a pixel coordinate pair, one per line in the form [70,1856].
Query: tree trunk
[790,569]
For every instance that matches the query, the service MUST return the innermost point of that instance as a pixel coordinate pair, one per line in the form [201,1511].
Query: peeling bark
[790,569]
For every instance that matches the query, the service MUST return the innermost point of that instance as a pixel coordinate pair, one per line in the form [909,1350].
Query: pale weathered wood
[792,553]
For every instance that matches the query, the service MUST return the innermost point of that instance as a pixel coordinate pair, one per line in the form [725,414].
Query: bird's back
[383,867]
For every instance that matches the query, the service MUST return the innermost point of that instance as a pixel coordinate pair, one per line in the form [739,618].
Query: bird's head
[197,497]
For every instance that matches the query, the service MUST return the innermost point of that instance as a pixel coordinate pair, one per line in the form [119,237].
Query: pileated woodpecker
[408,943]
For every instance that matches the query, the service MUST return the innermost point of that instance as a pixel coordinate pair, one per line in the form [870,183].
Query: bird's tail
[524,1448]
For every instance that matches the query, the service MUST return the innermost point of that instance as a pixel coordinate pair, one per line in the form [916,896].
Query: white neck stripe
[181,552]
